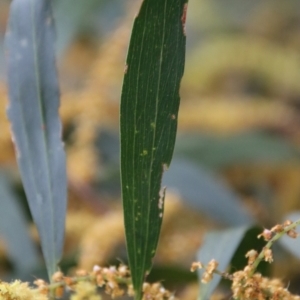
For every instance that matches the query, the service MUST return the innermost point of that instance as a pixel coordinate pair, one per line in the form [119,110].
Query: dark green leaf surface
[33,112]
[149,108]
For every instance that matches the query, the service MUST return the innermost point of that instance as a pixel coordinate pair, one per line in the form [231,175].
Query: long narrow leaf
[1,56]
[14,229]
[149,108]
[204,191]
[33,112]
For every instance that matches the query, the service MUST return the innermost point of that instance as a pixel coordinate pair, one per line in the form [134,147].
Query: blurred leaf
[14,230]
[102,18]
[221,246]
[247,148]
[70,16]
[203,191]
[292,245]
[1,57]
[33,112]
[107,144]
[149,108]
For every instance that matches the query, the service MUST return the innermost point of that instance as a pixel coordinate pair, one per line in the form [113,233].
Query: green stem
[270,243]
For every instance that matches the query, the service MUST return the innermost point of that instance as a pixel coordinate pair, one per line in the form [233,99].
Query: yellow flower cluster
[156,292]
[259,287]
[85,290]
[115,281]
[210,269]
[18,290]
[248,285]
[84,284]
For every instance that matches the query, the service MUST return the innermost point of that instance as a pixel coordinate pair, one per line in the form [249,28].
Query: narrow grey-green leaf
[1,57]
[203,190]
[14,230]
[36,127]
[221,246]
[243,148]
[149,109]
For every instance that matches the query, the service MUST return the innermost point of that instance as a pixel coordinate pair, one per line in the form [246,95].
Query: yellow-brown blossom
[251,255]
[268,256]
[196,265]
[277,228]
[85,290]
[266,234]
[292,233]
[209,270]
[156,291]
